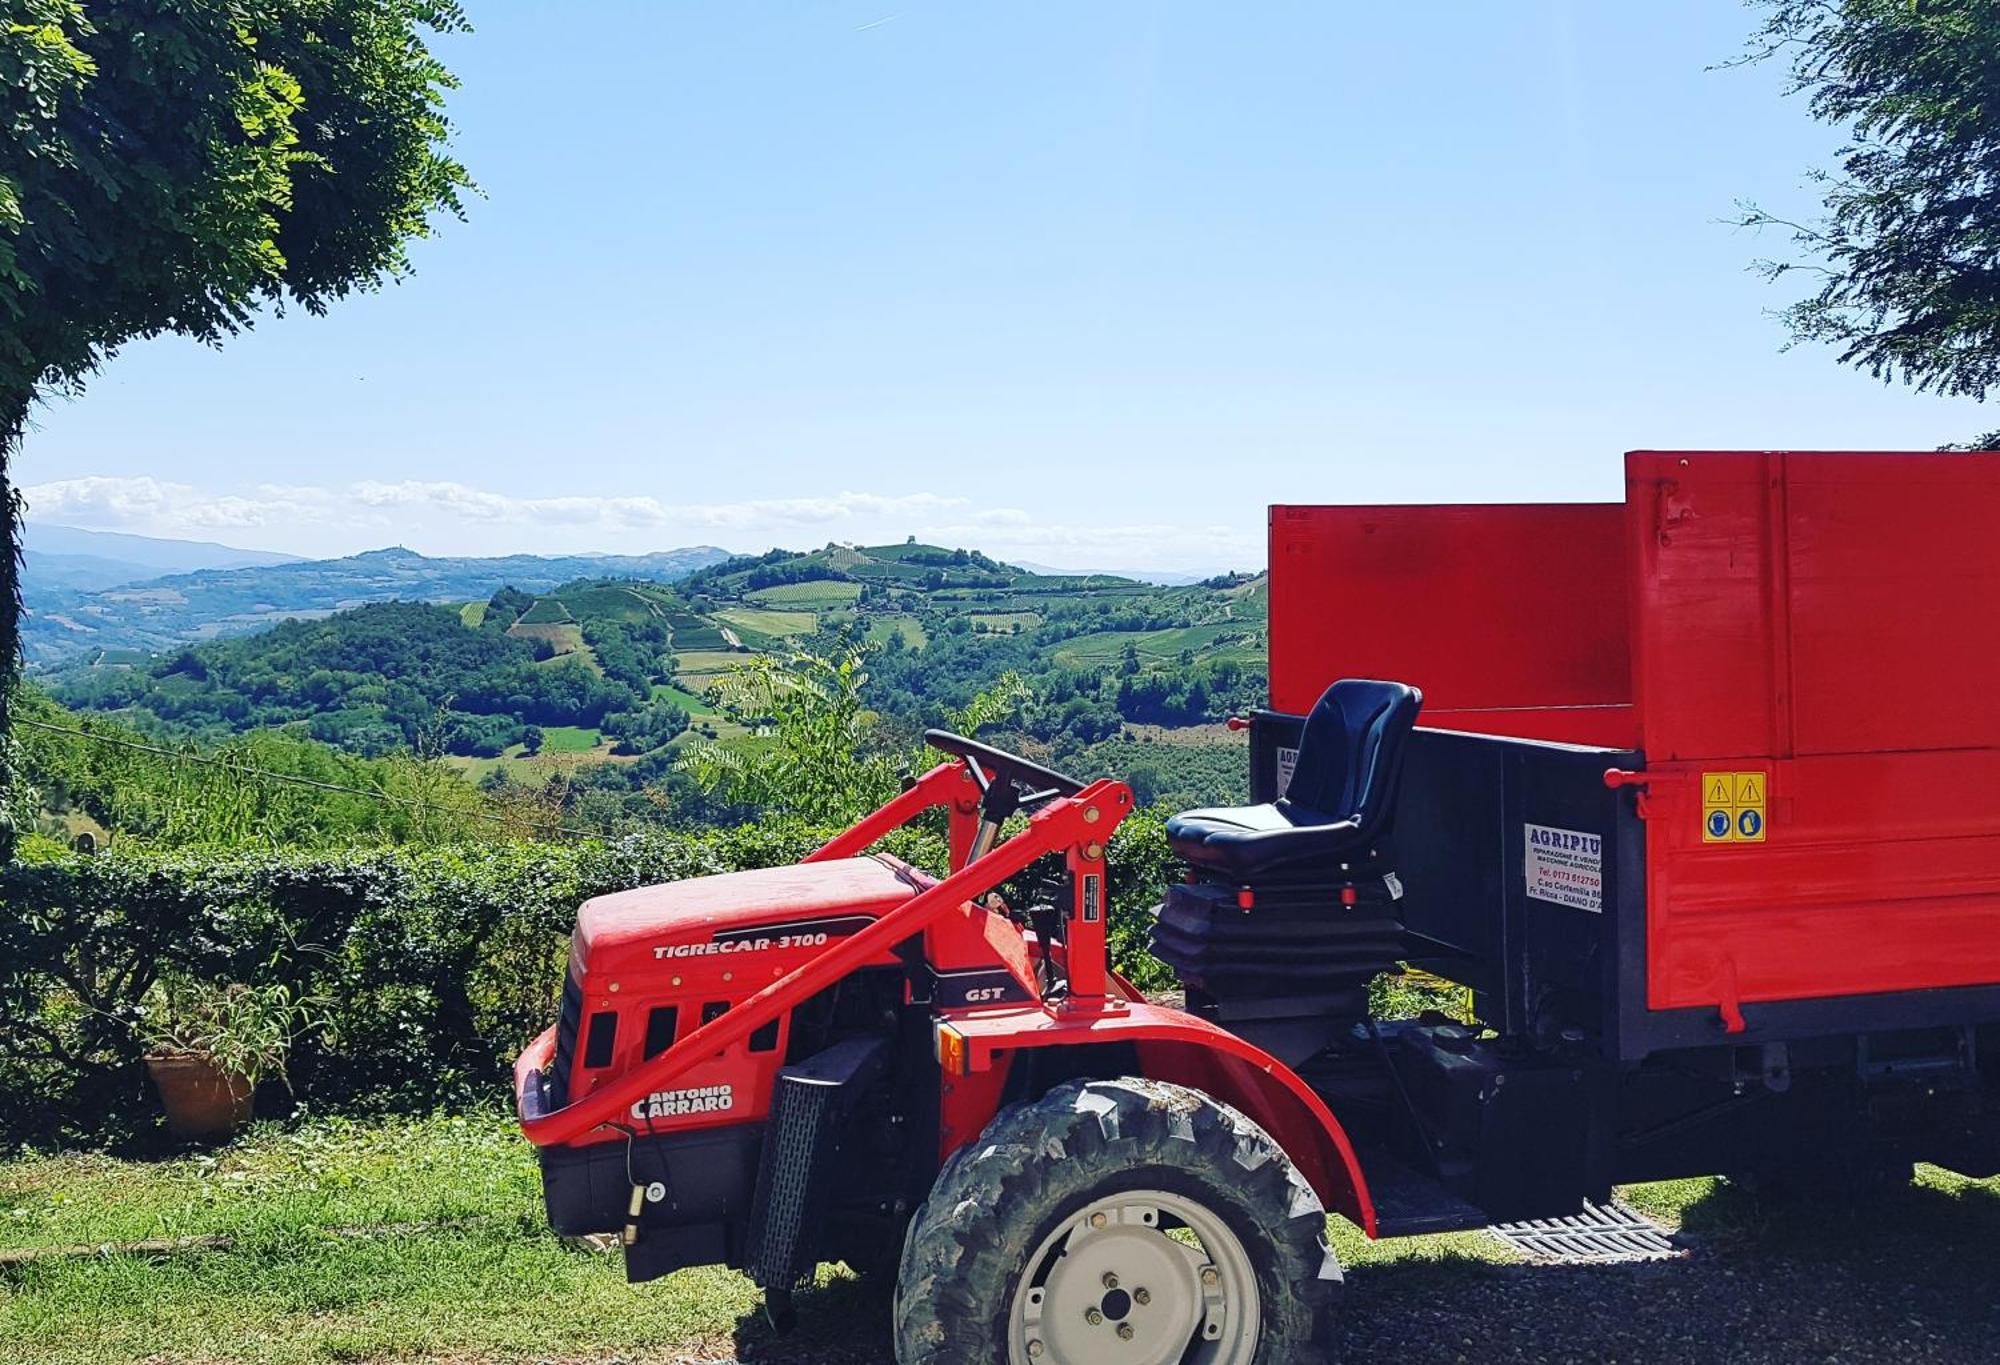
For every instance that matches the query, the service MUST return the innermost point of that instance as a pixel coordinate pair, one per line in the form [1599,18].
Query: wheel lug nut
[1110,1280]
[1141,1296]
[1210,1277]
[1098,1220]
[1034,1348]
[1124,1331]
[1092,1316]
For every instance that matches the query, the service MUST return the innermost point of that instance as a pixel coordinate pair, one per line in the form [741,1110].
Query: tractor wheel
[1125,1222]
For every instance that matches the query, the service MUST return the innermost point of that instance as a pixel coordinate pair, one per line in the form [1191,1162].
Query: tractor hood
[712,918]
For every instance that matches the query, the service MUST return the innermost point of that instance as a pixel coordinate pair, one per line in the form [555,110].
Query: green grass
[880,628]
[420,1239]
[423,1240]
[820,593]
[693,632]
[691,702]
[758,624]
[570,739]
[473,614]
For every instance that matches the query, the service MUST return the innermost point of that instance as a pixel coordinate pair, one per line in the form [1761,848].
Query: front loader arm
[1078,824]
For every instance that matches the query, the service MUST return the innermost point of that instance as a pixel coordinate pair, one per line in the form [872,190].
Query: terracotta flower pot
[202,1100]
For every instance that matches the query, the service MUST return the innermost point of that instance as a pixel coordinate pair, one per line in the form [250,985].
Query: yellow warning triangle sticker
[1720,792]
[1750,789]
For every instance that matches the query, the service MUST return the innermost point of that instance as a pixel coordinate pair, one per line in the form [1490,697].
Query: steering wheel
[1015,782]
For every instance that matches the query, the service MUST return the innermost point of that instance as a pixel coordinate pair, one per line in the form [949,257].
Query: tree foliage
[174,167]
[814,759]
[1907,251]
[819,752]
[235,793]
[367,680]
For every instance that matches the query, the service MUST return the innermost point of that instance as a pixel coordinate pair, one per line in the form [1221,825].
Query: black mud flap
[810,1107]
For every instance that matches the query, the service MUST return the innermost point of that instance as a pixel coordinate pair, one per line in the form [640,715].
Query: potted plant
[207,1045]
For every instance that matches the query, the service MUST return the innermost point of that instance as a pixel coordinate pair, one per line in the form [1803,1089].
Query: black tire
[1000,1198]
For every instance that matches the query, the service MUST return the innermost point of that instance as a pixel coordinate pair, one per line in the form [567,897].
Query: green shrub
[435,964]
[1141,863]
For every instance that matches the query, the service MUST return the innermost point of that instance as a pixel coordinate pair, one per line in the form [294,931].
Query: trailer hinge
[1617,779]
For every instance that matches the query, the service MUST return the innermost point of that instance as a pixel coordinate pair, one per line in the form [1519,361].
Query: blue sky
[1083,284]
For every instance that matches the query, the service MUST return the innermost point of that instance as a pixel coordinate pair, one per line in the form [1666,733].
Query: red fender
[1180,1048]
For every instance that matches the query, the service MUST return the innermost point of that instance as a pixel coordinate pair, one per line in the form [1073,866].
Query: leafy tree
[1907,251]
[1144,780]
[173,168]
[814,763]
[643,730]
[820,755]
[505,607]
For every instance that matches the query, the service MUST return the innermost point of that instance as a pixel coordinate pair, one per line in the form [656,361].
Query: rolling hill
[70,559]
[602,666]
[131,620]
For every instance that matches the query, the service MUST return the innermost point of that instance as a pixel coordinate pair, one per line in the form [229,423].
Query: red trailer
[1703,816]
[1800,645]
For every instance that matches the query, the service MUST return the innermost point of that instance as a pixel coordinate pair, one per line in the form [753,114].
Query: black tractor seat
[1337,807]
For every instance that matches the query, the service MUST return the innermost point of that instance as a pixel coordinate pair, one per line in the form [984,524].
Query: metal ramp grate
[1610,1234]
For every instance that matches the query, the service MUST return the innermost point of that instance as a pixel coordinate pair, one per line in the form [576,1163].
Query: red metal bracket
[1077,824]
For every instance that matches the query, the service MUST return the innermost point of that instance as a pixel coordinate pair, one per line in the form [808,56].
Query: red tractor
[1707,826]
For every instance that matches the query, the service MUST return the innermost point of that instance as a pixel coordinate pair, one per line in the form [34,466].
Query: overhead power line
[268,775]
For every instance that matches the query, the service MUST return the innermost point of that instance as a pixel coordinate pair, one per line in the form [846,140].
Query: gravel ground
[1912,1280]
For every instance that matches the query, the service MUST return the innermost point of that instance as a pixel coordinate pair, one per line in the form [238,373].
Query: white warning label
[1288,762]
[1566,867]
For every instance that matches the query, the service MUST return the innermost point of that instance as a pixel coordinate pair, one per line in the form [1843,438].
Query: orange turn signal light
[951,1050]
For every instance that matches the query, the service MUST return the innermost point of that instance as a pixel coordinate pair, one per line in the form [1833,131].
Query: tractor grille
[567,1024]
[801,1163]
[801,1131]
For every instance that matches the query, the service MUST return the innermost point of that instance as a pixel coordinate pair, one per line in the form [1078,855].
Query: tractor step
[1608,1234]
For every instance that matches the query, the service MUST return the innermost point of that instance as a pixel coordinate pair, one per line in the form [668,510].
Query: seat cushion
[1213,819]
[1251,841]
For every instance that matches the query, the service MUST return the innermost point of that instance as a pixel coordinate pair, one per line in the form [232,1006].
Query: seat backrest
[1351,754]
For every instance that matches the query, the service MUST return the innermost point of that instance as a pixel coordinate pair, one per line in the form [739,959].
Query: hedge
[435,963]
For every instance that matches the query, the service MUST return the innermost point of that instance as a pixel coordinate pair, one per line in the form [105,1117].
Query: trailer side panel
[1512,619]
[1820,632]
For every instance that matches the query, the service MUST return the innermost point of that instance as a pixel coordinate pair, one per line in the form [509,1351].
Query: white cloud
[443,517]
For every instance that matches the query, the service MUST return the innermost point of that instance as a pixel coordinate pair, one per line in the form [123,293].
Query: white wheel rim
[1142,1277]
